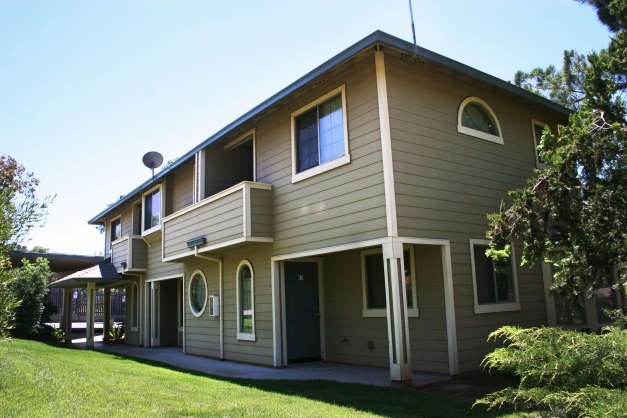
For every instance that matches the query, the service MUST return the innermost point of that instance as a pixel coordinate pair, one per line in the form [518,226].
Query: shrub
[562,373]
[30,286]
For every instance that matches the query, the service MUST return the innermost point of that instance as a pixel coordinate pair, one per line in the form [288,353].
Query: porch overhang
[102,274]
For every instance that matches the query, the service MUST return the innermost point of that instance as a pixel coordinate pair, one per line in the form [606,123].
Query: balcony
[131,250]
[239,214]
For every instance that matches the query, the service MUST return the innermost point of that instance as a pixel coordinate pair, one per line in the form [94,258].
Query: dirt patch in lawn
[470,387]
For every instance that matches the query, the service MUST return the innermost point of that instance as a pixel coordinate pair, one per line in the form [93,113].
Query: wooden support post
[91,313]
[106,317]
[66,318]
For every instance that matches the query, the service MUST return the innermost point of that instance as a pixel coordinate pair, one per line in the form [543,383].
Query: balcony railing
[241,213]
[131,250]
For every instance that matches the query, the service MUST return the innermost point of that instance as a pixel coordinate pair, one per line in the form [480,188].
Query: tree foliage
[578,202]
[20,212]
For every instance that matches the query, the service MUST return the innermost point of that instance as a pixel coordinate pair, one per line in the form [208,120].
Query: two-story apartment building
[342,219]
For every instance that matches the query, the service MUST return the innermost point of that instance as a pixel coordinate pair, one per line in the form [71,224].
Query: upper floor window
[320,136]
[152,209]
[116,229]
[536,129]
[476,118]
[495,285]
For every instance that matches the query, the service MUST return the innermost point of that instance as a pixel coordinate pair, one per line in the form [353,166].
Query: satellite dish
[152,160]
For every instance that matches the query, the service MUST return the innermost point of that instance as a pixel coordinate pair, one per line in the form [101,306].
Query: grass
[42,380]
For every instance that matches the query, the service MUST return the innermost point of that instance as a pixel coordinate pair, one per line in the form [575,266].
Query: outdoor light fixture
[195,242]
[123,265]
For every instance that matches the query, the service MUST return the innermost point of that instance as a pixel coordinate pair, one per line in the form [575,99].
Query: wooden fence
[79,302]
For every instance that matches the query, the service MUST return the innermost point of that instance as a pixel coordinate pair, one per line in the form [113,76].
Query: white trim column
[155,340]
[66,319]
[398,327]
[386,145]
[91,313]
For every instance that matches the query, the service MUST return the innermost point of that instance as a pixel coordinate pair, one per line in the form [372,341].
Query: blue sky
[86,87]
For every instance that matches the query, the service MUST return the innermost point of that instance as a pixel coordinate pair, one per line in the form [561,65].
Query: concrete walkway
[174,356]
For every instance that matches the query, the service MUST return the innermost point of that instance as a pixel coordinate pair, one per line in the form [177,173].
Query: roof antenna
[413,32]
[152,160]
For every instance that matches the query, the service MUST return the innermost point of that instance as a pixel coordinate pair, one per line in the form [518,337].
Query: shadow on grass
[383,401]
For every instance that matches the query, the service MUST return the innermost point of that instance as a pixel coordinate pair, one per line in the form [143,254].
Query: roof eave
[375,38]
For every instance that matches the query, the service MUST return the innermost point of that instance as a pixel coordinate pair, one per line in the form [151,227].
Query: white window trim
[133,220]
[321,168]
[245,336]
[135,306]
[473,132]
[189,294]
[111,240]
[143,220]
[499,306]
[382,312]
[536,141]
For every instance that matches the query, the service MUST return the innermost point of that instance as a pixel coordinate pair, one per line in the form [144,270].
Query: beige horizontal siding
[119,253]
[261,209]
[446,183]
[347,331]
[343,205]
[179,189]
[217,221]
[157,268]
[140,253]
[203,333]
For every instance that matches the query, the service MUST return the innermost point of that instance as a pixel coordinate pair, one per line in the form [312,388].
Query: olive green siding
[446,183]
[339,206]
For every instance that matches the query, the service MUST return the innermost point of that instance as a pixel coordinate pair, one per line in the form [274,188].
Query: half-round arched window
[476,118]
[198,293]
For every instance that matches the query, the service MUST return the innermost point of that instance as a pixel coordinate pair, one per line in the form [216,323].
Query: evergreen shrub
[562,373]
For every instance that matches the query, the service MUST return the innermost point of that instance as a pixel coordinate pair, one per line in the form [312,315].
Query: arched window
[245,301]
[134,307]
[198,293]
[476,118]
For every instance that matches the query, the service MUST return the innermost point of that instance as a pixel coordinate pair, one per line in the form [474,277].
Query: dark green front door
[302,315]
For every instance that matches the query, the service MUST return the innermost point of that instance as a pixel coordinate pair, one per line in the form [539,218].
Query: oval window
[198,293]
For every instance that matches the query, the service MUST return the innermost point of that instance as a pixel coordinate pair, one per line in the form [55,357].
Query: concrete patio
[173,356]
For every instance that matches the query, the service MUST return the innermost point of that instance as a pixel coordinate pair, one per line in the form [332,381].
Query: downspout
[217,260]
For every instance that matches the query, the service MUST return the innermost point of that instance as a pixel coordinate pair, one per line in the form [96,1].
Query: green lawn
[41,380]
